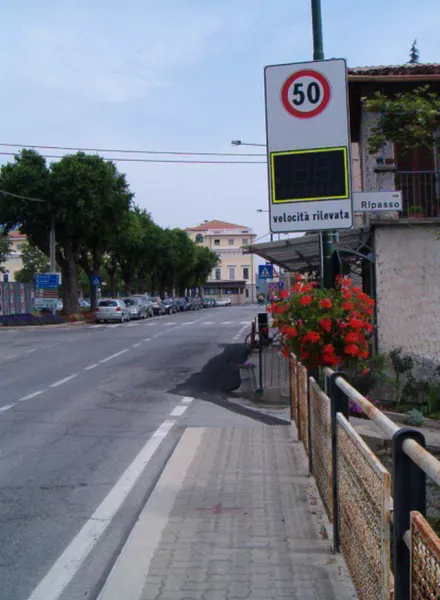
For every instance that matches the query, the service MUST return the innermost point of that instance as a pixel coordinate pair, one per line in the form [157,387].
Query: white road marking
[245,323]
[6,407]
[208,323]
[186,400]
[96,326]
[30,396]
[136,345]
[147,339]
[178,411]
[12,356]
[69,563]
[113,325]
[29,351]
[65,380]
[240,333]
[104,360]
[189,323]
[133,324]
[226,323]
[170,323]
[90,367]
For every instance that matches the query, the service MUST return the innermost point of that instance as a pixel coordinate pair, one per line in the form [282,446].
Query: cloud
[104,61]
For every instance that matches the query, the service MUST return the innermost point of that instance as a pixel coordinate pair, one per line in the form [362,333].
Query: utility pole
[327,237]
[52,246]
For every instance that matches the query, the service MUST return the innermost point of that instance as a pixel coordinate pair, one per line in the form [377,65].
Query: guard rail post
[339,404]
[314,374]
[409,493]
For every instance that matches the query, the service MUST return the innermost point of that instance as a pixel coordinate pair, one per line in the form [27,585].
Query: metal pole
[52,243]
[326,236]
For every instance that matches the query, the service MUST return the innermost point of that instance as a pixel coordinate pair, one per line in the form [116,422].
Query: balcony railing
[419,196]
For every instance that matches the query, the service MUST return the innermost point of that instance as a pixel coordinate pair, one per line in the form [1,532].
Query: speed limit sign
[308,146]
[305,94]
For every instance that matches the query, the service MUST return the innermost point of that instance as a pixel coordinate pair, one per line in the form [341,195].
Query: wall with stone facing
[408,287]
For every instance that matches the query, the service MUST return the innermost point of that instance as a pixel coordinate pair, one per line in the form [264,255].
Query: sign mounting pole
[327,237]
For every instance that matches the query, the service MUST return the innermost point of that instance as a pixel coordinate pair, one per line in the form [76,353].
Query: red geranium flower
[305,300]
[325,303]
[297,287]
[347,295]
[355,323]
[351,349]
[352,337]
[290,332]
[363,354]
[286,352]
[284,294]
[347,306]
[298,277]
[326,324]
[311,336]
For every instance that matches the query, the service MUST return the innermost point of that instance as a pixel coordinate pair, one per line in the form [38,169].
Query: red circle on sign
[316,111]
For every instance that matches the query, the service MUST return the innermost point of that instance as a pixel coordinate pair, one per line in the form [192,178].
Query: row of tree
[99,229]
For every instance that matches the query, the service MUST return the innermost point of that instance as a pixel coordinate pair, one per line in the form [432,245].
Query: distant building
[14,262]
[234,276]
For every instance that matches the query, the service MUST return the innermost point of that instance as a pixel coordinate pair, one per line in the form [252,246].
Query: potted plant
[416,212]
[330,327]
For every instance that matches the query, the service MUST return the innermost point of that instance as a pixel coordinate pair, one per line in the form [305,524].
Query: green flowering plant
[330,327]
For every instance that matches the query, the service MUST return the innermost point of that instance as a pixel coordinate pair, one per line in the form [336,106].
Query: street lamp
[260,210]
[240,143]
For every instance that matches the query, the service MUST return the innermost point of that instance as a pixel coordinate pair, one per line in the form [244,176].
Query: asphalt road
[88,418]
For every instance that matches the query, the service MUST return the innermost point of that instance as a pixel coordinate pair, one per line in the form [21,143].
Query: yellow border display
[292,200]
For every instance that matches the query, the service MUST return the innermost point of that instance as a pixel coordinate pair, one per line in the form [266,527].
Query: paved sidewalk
[233,516]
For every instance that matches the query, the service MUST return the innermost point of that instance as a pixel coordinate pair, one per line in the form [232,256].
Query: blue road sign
[265,271]
[96,281]
[47,281]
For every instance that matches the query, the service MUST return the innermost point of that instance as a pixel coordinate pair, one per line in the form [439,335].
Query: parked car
[194,303]
[112,309]
[146,300]
[207,302]
[137,307]
[170,306]
[223,302]
[182,304]
[158,306]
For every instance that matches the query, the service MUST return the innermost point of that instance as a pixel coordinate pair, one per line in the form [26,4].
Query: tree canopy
[410,119]
[99,230]
[34,262]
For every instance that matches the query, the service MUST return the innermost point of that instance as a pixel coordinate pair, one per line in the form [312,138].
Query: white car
[112,309]
[223,302]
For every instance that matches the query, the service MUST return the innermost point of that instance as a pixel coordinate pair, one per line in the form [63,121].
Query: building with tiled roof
[234,276]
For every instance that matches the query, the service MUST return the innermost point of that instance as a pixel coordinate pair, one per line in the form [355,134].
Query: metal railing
[375,515]
[419,196]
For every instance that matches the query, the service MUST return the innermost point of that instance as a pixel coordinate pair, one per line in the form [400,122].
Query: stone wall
[408,287]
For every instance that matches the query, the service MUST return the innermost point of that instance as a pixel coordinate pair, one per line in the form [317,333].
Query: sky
[180,75]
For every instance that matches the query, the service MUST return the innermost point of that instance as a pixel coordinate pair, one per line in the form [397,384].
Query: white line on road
[68,564]
[147,339]
[30,396]
[189,323]
[178,411]
[104,360]
[207,322]
[96,326]
[12,356]
[61,381]
[240,333]
[186,400]
[90,367]
[6,407]
[136,345]
[227,323]
[245,323]
[170,323]
[29,351]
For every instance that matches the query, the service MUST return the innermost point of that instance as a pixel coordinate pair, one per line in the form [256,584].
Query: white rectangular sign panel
[377,201]
[308,146]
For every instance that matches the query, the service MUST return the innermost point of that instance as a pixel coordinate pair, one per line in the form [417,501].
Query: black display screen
[320,174]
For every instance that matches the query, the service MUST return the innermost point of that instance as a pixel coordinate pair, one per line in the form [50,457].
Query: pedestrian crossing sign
[265,271]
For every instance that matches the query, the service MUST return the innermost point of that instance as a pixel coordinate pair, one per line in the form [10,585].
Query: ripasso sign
[308,146]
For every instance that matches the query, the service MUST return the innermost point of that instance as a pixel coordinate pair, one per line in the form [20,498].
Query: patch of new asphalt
[218,379]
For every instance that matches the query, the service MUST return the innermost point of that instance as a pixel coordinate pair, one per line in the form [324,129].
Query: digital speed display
[306,175]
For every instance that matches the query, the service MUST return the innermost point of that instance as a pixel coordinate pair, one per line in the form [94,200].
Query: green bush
[415,418]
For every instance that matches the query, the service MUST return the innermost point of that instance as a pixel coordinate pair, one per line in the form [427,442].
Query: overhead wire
[125,151]
[157,160]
